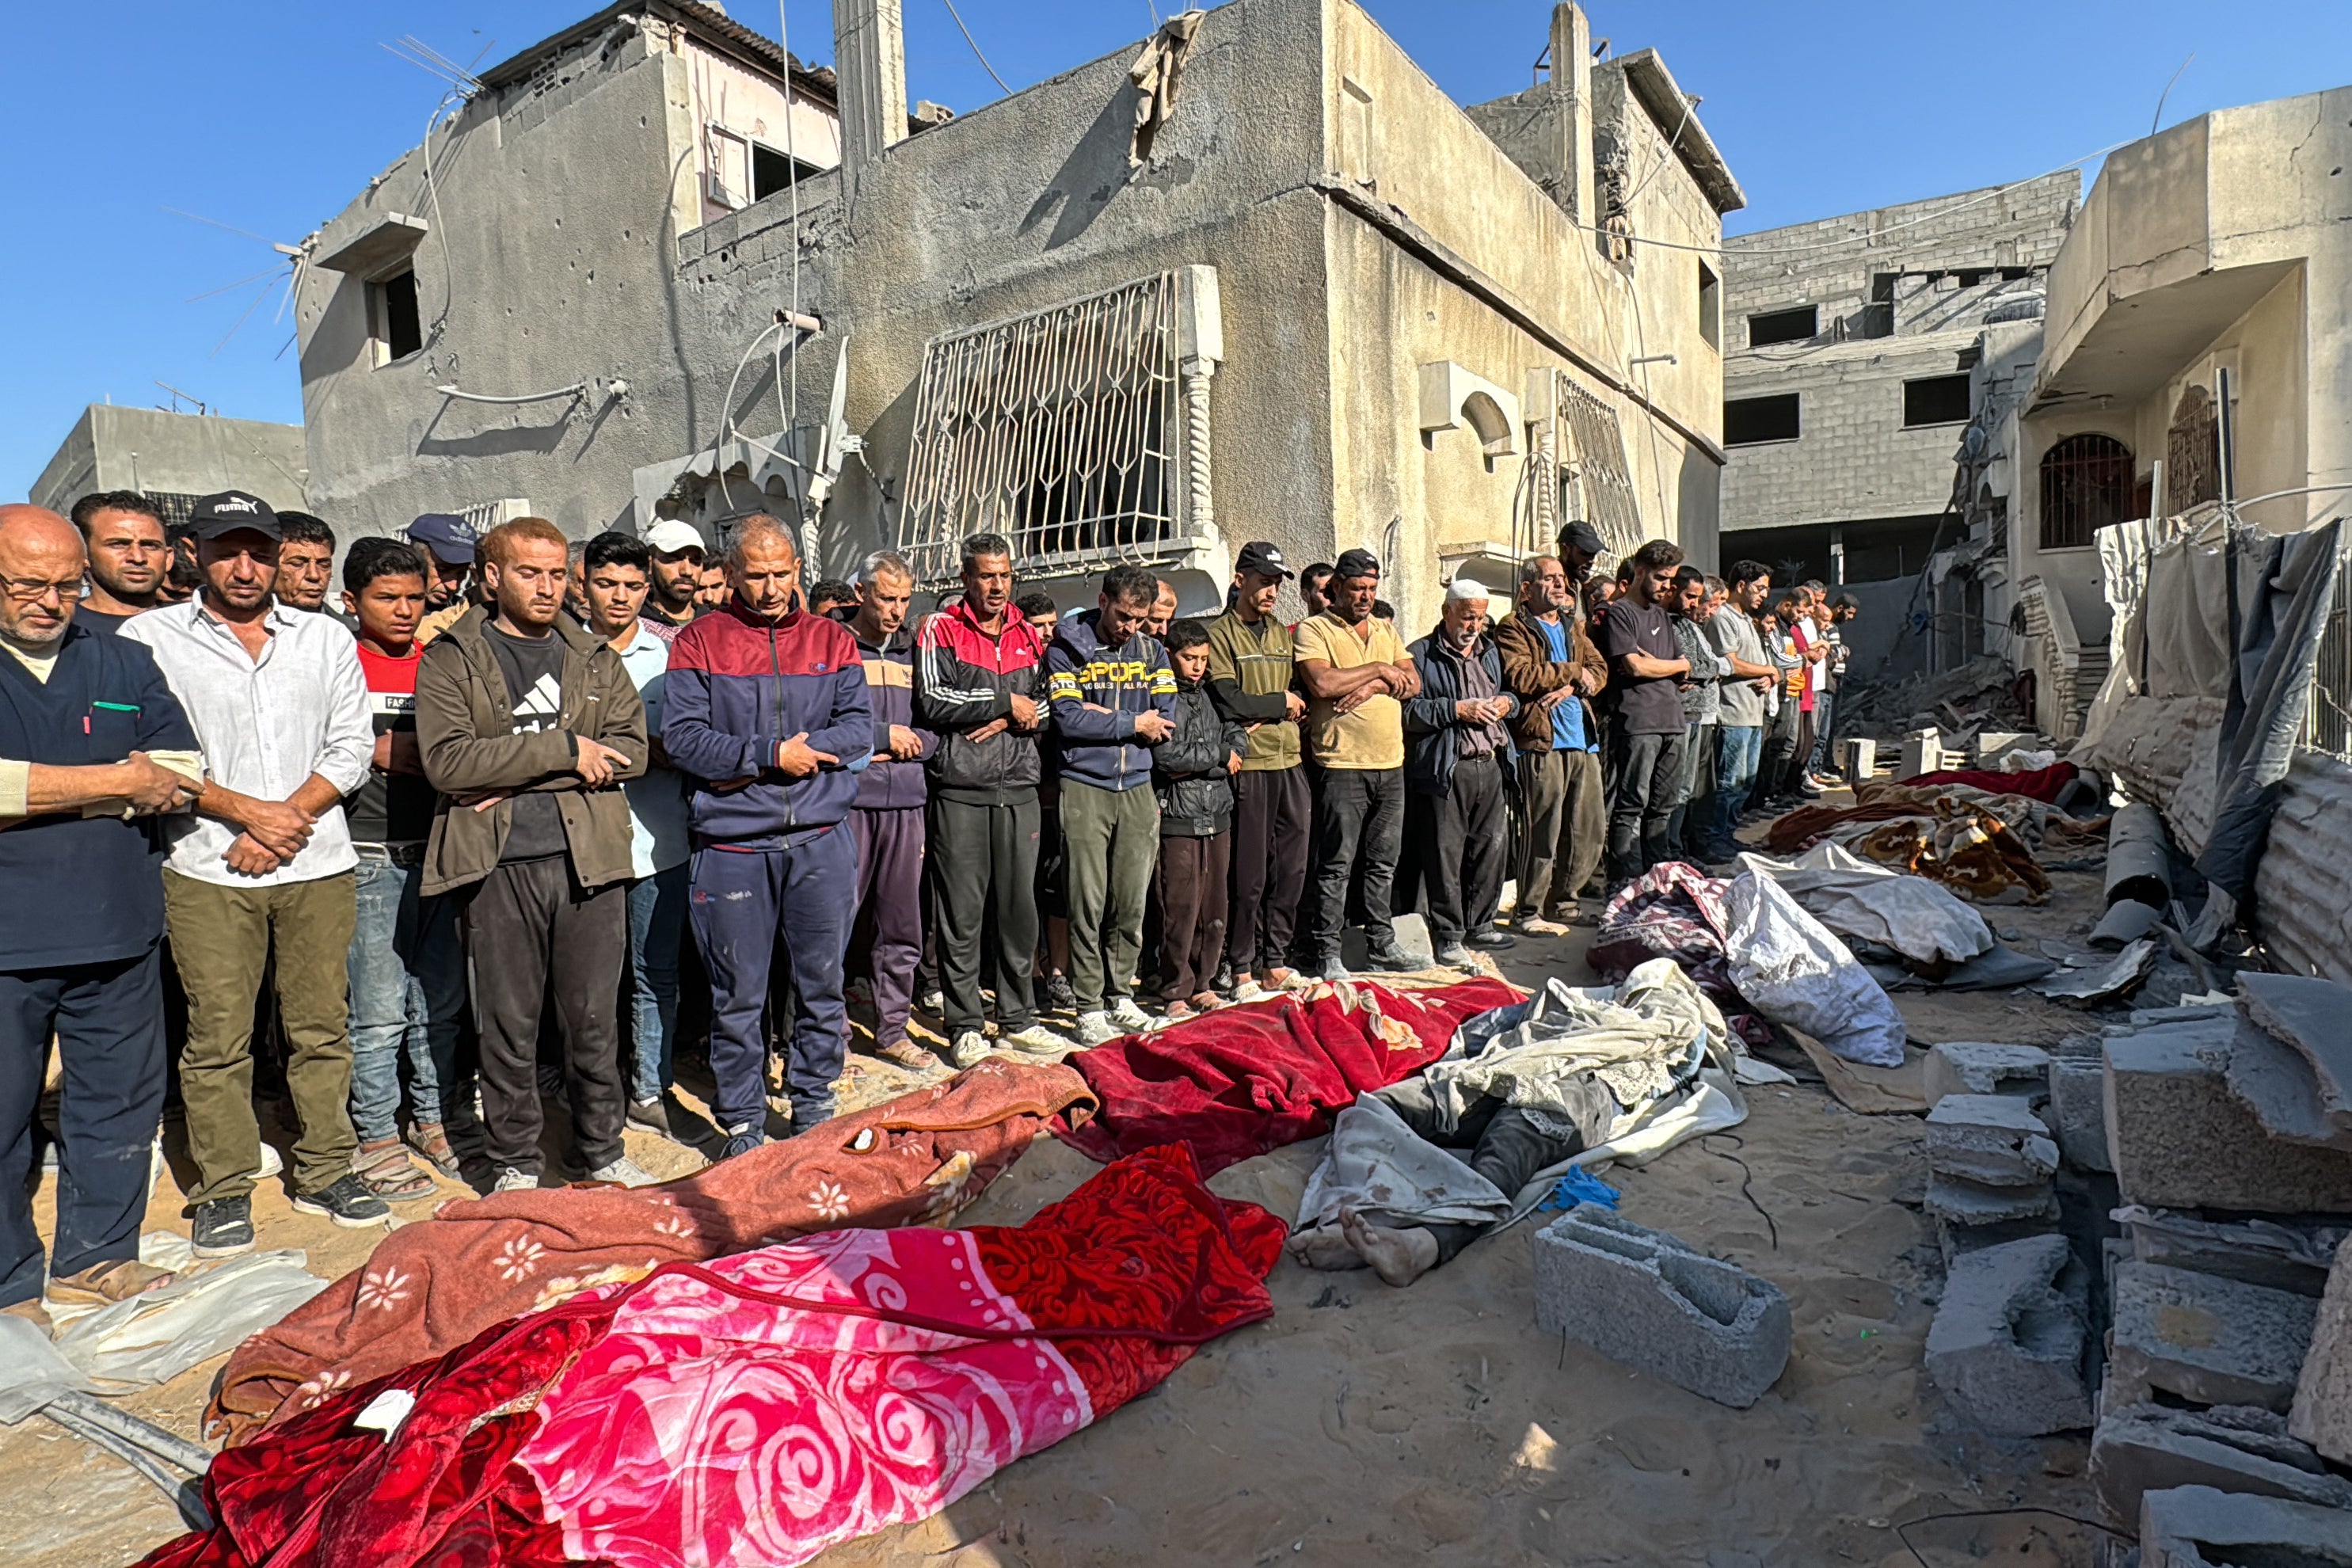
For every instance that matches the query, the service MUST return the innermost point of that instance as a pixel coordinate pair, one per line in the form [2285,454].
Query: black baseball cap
[1581,535]
[230,510]
[1264,559]
[450,538]
[1356,563]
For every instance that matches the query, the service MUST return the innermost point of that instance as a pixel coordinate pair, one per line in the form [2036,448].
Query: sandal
[1206,1002]
[103,1284]
[384,1168]
[907,1055]
[432,1145]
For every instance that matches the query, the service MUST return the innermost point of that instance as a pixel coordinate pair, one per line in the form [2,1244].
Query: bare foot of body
[1324,1249]
[1398,1257]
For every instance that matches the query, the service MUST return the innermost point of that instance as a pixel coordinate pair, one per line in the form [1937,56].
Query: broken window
[1879,316]
[1936,400]
[1710,307]
[1057,430]
[1749,421]
[2086,484]
[1795,325]
[399,329]
[774,173]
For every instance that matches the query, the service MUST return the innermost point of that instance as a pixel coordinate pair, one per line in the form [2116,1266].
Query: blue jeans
[656,930]
[407,974]
[1824,752]
[1737,749]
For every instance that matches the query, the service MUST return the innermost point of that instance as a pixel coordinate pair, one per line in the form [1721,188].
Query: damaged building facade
[1258,278]
[1853,378]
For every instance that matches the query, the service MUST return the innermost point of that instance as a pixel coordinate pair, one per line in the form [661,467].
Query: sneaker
[1490,939]
[1541,927]
[1246,989]
[932,1000]
[1394,960]
[1059,997]
[1333,971]
[1097,1029]
[514,1180]
[970,1049]
[1036,1039]
[221,1228]
[741,1140]
[1225,978]
[623,1172]
[1453,955]
[1128,1016]
[652,1115]
[346,1201]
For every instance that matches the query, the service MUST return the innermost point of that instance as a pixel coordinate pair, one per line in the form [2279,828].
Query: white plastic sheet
[1792,970]
[1921,920]
[155,1336]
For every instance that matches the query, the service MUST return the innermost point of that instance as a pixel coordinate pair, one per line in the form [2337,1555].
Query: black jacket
[1432,734]
[1189,768]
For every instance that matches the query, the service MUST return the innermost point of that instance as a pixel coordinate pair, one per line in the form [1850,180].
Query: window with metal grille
[1603,494]
[175,507]
[2086,484]
[1749,421]
[1936,400]
[1057,430]
[1797,324]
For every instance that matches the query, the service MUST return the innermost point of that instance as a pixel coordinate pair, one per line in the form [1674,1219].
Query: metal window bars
[1061,430]
[1605,485]
[2328,725]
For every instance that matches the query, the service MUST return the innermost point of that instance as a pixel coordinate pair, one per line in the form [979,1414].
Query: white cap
[1465,588]
[671,537]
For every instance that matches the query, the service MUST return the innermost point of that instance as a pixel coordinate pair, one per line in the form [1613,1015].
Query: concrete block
[1964,1203]
[2205,1340]
[1642,1298]
[2199,1527]
[2180,1139]
[2142,1448]
[1993,1140]
[2007,1343]
[1861,758]
[1956,1241]
[1412,936]
[2275,1081]
[2283,1255]
[1972,1066]
[2314,1017]
[2078,1110]
[2323,1394]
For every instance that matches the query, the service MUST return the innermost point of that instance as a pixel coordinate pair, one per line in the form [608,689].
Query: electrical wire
[975,46]
[1903,1528]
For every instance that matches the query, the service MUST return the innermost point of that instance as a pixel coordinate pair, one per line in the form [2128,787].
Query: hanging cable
[975,47]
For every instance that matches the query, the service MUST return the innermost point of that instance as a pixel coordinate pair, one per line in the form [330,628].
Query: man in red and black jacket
[979,684]
[766,710]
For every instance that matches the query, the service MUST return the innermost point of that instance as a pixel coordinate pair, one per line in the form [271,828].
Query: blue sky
[268,117]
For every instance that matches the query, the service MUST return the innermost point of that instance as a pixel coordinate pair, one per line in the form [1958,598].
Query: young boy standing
[407,967]
[1192,771]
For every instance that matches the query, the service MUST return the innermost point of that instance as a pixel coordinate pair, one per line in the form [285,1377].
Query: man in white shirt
[616,574]
[279,707]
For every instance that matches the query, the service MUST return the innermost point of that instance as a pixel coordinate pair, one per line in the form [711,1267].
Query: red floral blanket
[1242,1080]
[756,1410]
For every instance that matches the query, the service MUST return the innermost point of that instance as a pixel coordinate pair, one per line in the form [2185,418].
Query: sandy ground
[1367,1425]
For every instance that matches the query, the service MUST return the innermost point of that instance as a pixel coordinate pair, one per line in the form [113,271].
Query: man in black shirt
[1646,670]
[671,598]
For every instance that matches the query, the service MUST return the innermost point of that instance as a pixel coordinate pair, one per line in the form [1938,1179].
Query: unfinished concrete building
[1259,278]
[1848,386]
[173,457]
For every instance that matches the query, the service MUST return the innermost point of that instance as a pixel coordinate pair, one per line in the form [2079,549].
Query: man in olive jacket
[527,724]
[1551,664]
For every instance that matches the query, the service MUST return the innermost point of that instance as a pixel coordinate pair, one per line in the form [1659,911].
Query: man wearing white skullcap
[1458,744]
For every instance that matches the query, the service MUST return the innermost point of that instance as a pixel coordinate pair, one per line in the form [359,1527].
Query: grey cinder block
[2007,1343]
[2322,1394]
[2142,1448]
[1644,1298]
[2180,1138]
[2199,1527]
[1956,1200]
[2077,1110]
[1974,1066]
[2204,1339]
[1994,1140]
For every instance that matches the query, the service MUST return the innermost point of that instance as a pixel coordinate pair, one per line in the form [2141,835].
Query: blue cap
[450,539]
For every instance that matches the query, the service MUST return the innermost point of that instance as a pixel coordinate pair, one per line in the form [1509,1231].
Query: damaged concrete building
[1849,384]
[1260,277]
[173,457]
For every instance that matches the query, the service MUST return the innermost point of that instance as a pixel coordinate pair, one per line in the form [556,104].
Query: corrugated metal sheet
[2302,891]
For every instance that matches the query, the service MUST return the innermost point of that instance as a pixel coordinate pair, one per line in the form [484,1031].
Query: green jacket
[465,728]
[1249,680]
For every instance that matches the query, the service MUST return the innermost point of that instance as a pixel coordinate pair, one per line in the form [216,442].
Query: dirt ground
[1368,1425]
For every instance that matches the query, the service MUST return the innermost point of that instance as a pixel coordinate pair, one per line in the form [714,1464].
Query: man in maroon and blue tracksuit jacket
[766,710]
[891,795]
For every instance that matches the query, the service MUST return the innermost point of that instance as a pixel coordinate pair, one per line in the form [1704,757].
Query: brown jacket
[465,726]
[1529,673]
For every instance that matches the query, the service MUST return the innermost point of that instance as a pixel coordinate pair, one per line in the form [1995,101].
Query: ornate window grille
[1070,431]
[1605,485]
